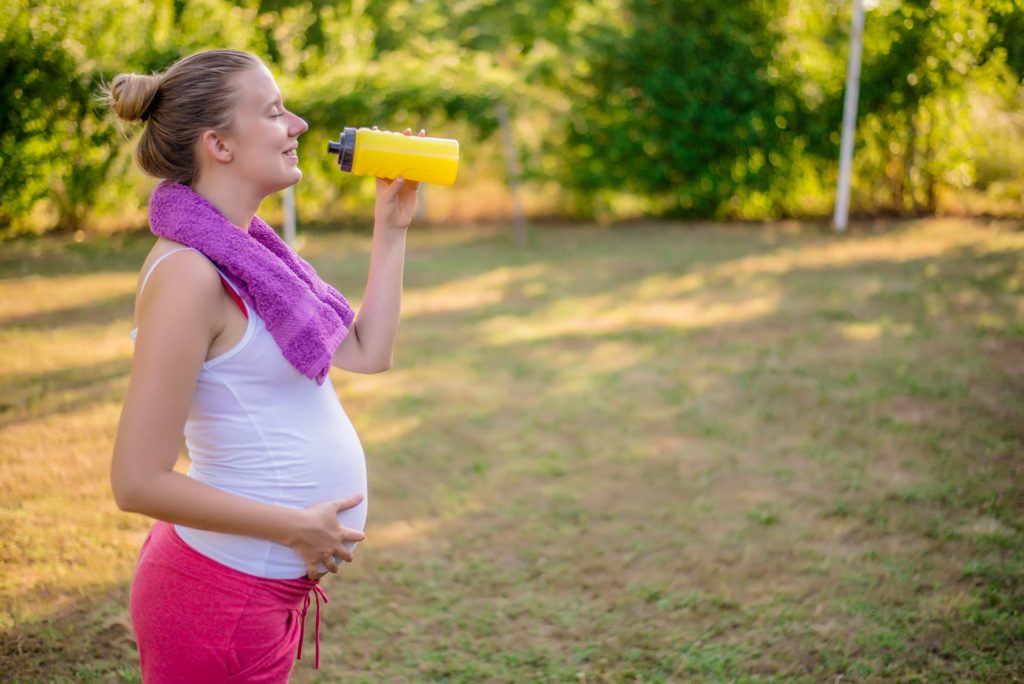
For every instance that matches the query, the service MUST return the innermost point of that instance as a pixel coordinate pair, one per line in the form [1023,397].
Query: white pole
[842,211]
[421,199]
[512,167]
[289,216]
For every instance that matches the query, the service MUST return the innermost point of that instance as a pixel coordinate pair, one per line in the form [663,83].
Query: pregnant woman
[234,340]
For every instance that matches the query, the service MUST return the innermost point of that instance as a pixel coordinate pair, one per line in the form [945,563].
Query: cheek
[274,134]
[261,132]
[259,140]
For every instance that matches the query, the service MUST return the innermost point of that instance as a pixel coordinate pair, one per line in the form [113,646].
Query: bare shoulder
[185,278]
[177,316]
[161,248]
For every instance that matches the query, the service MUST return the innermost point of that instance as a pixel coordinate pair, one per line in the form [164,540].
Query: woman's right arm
[179,313]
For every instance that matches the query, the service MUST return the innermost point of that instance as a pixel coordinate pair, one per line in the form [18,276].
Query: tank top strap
[225,281]
[157,263]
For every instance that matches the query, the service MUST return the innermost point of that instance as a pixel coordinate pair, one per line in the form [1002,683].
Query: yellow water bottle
[366,152]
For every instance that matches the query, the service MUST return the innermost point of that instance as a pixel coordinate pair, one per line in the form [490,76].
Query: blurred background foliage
[619,108]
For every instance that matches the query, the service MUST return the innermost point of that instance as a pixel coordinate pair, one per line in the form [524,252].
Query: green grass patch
[652,453]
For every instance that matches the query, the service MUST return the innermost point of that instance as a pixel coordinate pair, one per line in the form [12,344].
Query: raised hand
[396,199]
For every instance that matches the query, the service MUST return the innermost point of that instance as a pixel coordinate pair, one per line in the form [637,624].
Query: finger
[395,186]
[407,131]
[348,534]
[330,562]
[350,502]
[375,128]
[423,132]
[343,554]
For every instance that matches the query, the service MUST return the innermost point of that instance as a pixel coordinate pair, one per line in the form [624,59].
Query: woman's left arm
[370,344]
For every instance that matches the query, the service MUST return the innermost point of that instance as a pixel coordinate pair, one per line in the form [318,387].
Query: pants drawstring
[319,594]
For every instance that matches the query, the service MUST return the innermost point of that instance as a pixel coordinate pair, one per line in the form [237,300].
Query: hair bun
[132,95]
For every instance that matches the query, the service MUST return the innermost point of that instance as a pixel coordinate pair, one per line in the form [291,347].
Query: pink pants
[197,620]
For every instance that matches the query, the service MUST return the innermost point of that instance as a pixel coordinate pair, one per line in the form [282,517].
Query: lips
[292,152]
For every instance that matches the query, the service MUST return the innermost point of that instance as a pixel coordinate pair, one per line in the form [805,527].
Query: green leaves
[697,108]
[41,93]
[677,97]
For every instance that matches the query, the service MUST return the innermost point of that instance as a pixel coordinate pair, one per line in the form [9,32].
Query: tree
[40,93]
[921,59]
[680,101]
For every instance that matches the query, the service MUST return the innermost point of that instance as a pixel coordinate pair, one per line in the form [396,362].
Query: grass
[651,453]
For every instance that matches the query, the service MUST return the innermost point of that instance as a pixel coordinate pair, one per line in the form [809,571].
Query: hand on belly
[321,540]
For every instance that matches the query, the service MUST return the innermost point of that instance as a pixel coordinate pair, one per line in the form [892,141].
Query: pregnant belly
[339,479]
[293,446]
[308,477]
[342,478]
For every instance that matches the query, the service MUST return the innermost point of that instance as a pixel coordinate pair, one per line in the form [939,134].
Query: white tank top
[260,429]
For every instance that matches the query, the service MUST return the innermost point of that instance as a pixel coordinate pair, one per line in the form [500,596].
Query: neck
[238,206]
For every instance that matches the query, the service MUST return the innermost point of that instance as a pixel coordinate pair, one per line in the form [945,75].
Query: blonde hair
[193,95]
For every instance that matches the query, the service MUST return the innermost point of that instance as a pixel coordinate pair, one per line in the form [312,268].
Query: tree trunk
[908,196]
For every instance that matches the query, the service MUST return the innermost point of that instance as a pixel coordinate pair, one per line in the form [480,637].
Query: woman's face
[264,137]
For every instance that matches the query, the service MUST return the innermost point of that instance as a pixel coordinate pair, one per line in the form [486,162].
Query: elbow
[380,364]
[125,501]
[126,496]
[362,360]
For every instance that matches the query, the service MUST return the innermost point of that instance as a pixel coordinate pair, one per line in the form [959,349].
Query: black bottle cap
[345,148]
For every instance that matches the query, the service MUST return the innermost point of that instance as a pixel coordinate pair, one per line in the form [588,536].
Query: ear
[214,147]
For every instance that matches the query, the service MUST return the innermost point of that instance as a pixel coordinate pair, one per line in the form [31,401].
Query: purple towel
[306,317]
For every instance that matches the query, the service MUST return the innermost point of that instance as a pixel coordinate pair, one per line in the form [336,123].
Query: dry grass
[648,453]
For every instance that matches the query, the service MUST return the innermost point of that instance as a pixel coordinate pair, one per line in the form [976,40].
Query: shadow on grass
[101,312]
[26,397]
[55,256]
[89,641]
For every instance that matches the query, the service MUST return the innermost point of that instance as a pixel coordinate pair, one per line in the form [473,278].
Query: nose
[298,126]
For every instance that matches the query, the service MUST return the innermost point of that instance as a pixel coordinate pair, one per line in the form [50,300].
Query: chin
[285,184]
